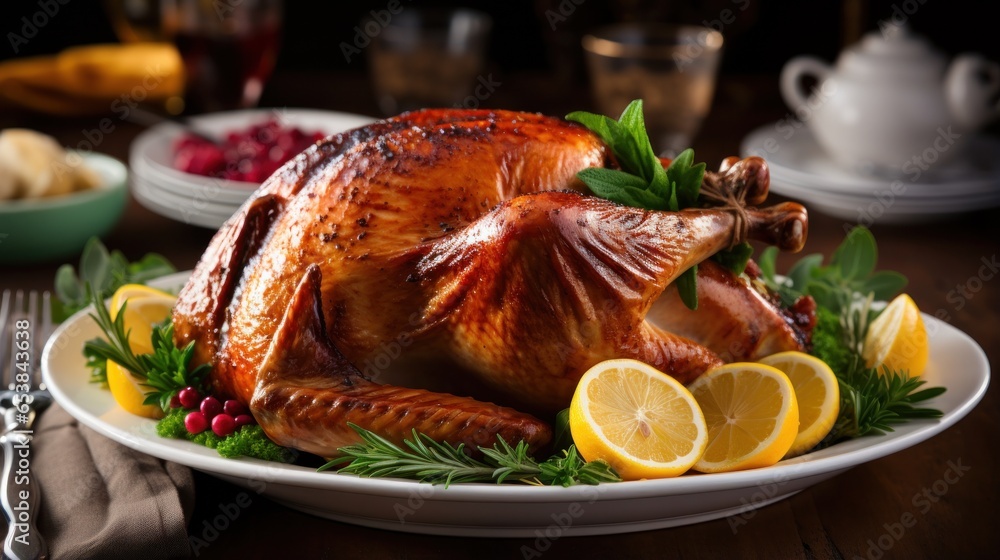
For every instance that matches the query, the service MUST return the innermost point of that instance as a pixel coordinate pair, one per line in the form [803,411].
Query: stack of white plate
[800,169]
[206,201]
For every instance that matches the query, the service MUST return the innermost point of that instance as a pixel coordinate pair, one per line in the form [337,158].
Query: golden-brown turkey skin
[418,227]
[744,327]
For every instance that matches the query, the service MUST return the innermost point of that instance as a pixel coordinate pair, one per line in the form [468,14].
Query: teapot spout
[971,87]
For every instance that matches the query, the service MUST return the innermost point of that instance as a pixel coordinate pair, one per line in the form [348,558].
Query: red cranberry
[223,425]
[189,397]
[234,407]
[210,407]
[243,420]
[175,402]
[195,422]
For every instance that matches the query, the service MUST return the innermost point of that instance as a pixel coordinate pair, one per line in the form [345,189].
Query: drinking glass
[671,68]
[427,58]
[228,46]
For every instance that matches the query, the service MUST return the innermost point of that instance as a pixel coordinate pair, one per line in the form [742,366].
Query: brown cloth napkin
[100,499]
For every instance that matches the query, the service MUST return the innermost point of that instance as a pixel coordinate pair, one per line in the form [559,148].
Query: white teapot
[891,105]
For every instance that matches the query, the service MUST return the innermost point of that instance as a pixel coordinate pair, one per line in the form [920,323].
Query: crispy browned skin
[439,232]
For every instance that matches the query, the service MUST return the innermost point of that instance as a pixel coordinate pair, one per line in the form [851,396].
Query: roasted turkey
[459,247]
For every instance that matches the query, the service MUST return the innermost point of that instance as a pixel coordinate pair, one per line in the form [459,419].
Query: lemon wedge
[146,307]
[897,338]
[817,393]
[752,416]
[641,421]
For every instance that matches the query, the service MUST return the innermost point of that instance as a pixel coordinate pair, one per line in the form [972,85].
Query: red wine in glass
[226,70]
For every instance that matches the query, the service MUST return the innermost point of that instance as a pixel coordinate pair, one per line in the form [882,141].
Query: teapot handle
[971,83]
[792,74]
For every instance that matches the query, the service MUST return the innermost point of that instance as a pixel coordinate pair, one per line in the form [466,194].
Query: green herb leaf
[857,255]
[436,462]
[104,272]
[685,178]
[735,259]
[562,438]
[165,372]
[802,271]
[884,284]
[643,182]
[94,265]
[687,287]
[618,186]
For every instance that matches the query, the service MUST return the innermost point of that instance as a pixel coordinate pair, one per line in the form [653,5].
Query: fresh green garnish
[441,463]
[248,441]
[849,277]
[165,371]
[642,181]
[870,401]
[105,272]
[97,365]
[562,438]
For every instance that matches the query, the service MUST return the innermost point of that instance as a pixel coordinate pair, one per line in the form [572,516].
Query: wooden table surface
[856,514]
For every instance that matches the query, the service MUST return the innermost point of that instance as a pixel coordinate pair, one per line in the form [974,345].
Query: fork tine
[4,341]
[44,332]
[15,310]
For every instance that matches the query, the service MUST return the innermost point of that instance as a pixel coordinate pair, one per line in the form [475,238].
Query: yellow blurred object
[93,79]
[129,392]
[146,308]
[897,338]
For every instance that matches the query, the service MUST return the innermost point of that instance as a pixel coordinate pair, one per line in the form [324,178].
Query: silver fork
[24,329]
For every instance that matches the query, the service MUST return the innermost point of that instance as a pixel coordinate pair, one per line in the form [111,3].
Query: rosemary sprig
[165,371]
[436,462]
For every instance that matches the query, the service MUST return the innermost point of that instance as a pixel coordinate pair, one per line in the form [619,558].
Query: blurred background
[543,36]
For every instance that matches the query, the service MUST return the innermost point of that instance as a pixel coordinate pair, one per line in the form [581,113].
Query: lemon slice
[146,308]
[752,416]
[129,393]
[640,420]
[817,393]
[897,338]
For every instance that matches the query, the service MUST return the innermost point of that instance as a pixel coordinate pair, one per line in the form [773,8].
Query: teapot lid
[893,53]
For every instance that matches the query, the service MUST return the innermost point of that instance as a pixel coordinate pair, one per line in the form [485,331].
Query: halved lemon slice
[817,393]
[752,416]
[145,308]
[897,338]
[640,420]
[129,393]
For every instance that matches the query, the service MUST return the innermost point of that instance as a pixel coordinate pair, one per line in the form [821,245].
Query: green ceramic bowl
[49,229]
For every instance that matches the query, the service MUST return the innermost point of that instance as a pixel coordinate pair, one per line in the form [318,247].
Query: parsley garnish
[871,401]
[642,181]
[165,371]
